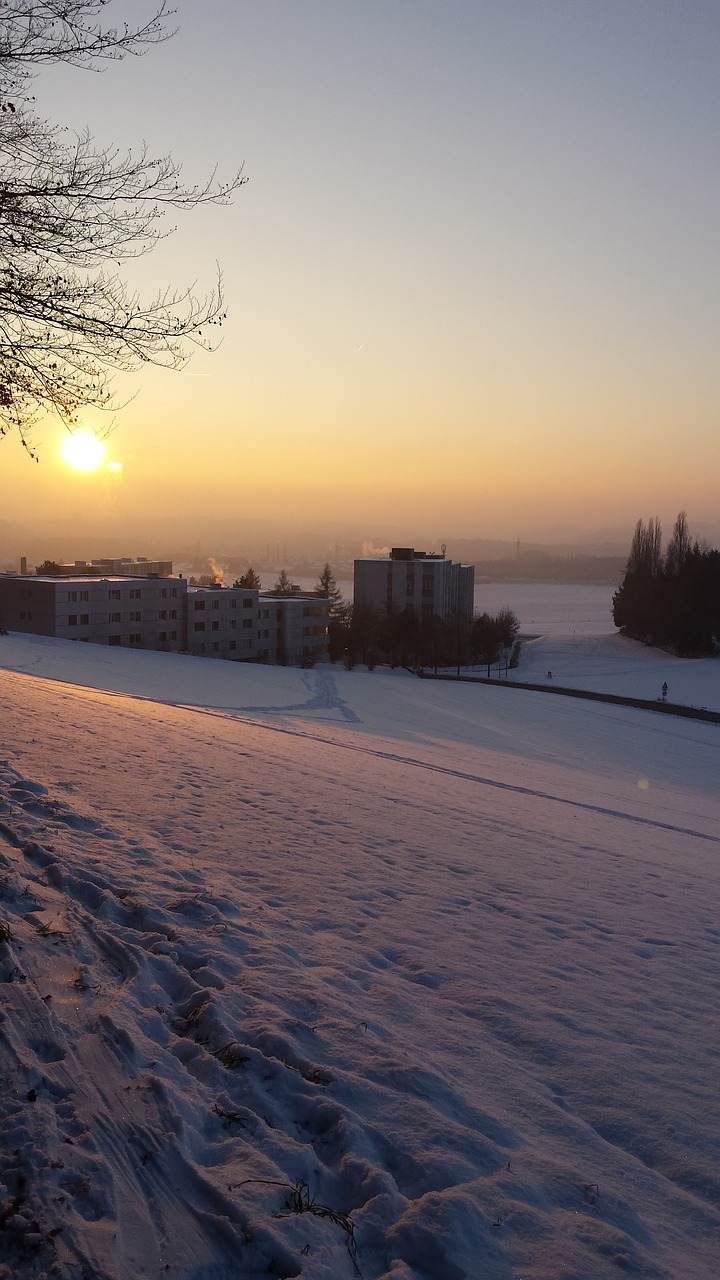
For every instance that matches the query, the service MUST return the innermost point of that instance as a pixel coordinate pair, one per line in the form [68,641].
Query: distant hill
[539,566]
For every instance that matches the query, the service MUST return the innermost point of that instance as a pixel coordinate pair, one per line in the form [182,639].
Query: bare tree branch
[69,210]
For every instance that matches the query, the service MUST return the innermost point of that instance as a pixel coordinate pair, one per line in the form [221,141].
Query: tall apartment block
[422,581]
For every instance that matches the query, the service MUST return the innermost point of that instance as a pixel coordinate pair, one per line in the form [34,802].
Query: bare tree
[645,558]
[70,211]
[679,546]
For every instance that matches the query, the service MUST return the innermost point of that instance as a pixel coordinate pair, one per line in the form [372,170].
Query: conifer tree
[283,585]
[327,586]
[249,579]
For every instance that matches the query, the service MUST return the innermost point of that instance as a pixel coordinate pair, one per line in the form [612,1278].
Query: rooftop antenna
[443,547]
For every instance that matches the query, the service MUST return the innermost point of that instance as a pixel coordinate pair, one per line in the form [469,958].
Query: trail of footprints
[80,957]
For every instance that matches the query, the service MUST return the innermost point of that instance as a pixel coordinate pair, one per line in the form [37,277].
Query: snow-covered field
[326,973]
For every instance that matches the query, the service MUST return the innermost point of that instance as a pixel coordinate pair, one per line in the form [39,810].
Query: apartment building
[140,568]
[424,582]
[169,615]
[141,613]
[248,625]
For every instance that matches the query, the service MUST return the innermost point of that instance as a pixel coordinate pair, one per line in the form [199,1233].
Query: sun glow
[82,450]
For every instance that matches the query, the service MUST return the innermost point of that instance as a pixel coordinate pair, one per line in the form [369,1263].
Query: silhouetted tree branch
[70,211]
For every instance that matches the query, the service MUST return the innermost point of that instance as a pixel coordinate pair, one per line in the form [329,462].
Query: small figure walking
[549,675]
[664,691]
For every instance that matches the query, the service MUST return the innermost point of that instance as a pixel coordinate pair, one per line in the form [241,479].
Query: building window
[162,615]
[173,591]
[162,637]
[136,617]
[173,635]
[115,640]
[84,595]
[199,626]
[135,593]
[116,617]
[233,624]
[173,613]
[72,595]
[163,593]
[233,604]
[214,626]
[233,644]
[248,602]
[247,623]
[84,619]
[216,604]
[136,640]
[72,620]
[216,647]
[114,595]
[199,604]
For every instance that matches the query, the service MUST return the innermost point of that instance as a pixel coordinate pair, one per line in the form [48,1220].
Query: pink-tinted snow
[438,965]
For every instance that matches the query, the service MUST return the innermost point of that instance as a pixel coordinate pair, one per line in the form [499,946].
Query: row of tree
[670,598]
[360,633]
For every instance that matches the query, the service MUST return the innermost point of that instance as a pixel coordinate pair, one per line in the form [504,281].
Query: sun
[82,450]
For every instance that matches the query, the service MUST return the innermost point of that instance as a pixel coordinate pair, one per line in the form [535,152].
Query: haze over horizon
[471,282]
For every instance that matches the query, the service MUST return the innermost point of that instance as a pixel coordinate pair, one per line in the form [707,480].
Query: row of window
[135,639]
[427,583]
[215,626]
[135,593]
[234,645]
[135,615]
[200,604]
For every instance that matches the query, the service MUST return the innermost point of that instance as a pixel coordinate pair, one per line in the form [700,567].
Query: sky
[471,280]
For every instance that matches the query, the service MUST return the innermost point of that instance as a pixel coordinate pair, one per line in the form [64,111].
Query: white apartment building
[168,614]
[141,613]
[125,565]
[247,625]
[422,581]
[222,622]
